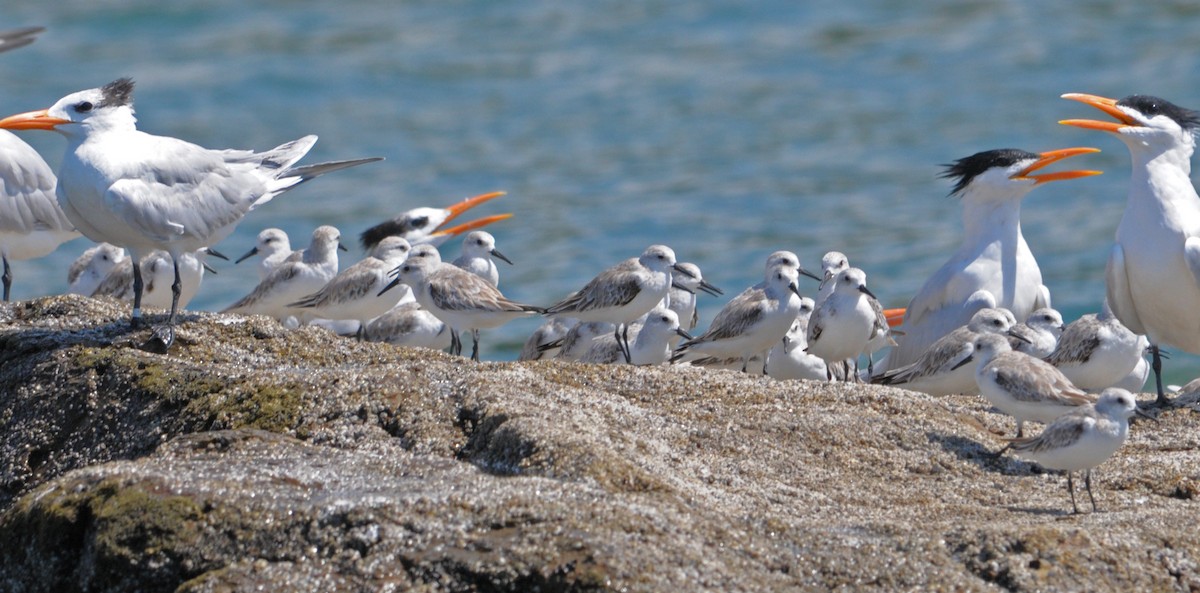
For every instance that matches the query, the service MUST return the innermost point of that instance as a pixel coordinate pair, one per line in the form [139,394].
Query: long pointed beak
[216,254]
[804,272]
[443,234]
[342,247]
[894,316]
[208,268]
[467,204]
[390,286]
[710,289]
[1053,156]
[249,254]
[795,288]
[683,333]
[867,291]
[1016,336]
[32,120]
[1104,104]
[964,361]
[500,256]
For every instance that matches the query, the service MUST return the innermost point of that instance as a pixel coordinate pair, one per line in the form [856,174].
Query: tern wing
[1120,295]
[27,201]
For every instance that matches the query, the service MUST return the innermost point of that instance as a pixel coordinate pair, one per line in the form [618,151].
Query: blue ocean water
[726,130]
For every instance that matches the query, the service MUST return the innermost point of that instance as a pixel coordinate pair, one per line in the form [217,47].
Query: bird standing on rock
[122,186]
[1153,273]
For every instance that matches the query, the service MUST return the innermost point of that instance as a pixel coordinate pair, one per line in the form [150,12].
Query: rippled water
[724,129]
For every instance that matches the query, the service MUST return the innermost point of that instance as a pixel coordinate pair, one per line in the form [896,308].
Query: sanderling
[1020,385]
[462,300]
[686,281]
[622,293]
[1039,333]
[1098,351]
[751,323]
[356,292]
[293,280]
[478,249]
[92,267]
[274,247]
[1082,438]
[407,324]
[648,345]
[546,340]
[841,327]
[937,371]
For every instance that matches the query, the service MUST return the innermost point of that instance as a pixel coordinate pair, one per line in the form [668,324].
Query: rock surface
[255,458]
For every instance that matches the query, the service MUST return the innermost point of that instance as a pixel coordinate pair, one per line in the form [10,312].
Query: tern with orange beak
[1153,274]
[993,266]
[143,192]
[428,225]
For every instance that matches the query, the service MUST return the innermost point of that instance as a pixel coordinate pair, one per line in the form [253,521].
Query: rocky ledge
[255,458]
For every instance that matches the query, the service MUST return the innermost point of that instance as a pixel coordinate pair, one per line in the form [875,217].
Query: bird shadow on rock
[978,454]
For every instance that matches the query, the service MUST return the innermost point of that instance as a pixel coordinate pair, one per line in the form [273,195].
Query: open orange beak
[470,226]
[1104,104]
[469,203]
[32,120]
[894,316]
[1054,156]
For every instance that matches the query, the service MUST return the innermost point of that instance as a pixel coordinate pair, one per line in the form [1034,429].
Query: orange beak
[1104,104]
[469,203]
[470,226]
[32,120]
[1054,156]
[894,316]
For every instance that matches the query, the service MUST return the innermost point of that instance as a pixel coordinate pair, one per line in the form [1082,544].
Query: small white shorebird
[751,323]
[143,192]
[356,292]
[293,280]
[546,340]
[842,326]
[1039,334]
[92,267]
[579,338]
[993,267]
[788,359]
[1153,273]
[478,249]
[650,344]
[1020,385]
[938,371]
[686,281]
[274,247]
[158,272]
[462,300]
[1083,438]
[1097,351]
[407,324]
[428,225]
[832,264]
[622,293]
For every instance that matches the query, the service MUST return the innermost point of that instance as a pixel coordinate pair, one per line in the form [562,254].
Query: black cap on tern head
[118,92]
[1151,106]
[967,168]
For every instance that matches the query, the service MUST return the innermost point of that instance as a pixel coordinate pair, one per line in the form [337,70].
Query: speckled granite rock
[255,458]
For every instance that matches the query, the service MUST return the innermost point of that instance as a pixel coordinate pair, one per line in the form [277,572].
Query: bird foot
[160,340]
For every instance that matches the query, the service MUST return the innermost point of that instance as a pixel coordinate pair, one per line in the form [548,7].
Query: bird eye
[420,222]
[83,107]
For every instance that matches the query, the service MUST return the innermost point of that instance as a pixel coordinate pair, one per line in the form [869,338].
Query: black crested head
[966,169]
[1151,106]
[118,92]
